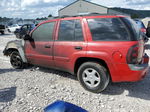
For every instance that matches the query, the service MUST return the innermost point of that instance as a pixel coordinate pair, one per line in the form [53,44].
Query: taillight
[132,56]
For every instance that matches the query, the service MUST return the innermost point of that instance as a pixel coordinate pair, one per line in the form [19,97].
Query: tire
[2,33]
[16,60]
[93,77]
[9,31]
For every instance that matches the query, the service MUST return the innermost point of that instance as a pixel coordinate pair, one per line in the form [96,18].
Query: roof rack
[80,14]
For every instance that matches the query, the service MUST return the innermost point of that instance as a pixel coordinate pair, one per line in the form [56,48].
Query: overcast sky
[42,8]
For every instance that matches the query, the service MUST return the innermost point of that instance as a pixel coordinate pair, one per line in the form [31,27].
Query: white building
[83,6]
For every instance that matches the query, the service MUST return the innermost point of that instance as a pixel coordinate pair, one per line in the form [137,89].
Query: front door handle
[78,47]
[47,46]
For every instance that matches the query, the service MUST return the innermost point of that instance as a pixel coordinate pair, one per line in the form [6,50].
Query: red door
[39,51]
[69,45]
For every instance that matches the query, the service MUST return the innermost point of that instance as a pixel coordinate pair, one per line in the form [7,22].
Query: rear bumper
[138,67]
[131,72]
[139,73]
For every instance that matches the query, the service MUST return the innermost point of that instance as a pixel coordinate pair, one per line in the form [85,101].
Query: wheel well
[80,61]
[10,50]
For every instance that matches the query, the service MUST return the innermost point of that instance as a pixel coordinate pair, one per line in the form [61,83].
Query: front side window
[108,29]
[44,32]
[70,30]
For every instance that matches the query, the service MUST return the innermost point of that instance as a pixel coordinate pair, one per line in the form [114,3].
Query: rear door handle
[78,47]
[47,46]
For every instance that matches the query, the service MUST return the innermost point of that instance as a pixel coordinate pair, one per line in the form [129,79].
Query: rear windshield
[108,29]
[133,28]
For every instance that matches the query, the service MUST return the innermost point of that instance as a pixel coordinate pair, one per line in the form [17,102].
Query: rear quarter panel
[113,53]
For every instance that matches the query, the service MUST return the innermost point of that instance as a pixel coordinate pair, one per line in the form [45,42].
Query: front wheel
[16,60]
[93,76]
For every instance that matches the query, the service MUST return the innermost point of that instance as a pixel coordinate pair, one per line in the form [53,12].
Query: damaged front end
[15,45]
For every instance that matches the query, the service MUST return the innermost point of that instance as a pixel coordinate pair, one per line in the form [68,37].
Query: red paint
[37,54]
[63,54]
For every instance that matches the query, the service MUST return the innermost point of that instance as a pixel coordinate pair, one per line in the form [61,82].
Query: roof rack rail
[80,14]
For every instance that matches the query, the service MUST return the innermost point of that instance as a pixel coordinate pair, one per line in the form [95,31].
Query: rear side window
[133,28]
[44,32]
[70,30]
[108,29]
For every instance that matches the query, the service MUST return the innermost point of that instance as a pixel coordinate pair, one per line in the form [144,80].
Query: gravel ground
[30,90]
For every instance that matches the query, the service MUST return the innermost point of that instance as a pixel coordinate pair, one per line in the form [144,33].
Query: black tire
[9,31]
[2,32]
[100,79]
[16,60]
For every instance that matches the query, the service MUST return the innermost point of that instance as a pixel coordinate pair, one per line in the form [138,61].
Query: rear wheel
[93,76]
[16,60]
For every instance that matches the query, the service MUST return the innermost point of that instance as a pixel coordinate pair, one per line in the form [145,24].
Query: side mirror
[148,32]
[27,37]
[61,106]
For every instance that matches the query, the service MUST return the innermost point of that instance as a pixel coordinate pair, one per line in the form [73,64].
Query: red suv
[96,48]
